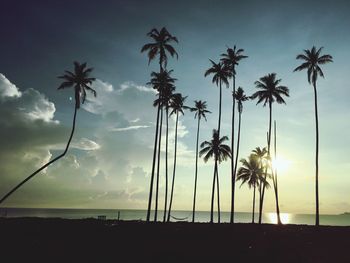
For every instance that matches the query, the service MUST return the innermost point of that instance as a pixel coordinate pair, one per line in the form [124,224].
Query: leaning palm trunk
[195,177]
[218,192]
[153,167]
[47,164]
[316,163]
[274,177]
[233,173]
[158,164]
[268,155]
[220,99]
[166,163]
[213,193]
[253,204]
[174,169]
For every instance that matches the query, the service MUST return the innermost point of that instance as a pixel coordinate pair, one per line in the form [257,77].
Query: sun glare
[280,164]
[285,218]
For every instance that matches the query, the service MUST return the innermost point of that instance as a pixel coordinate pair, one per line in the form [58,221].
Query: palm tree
[269,92]
[231,59]
[240,97]
[220,152]
[80,80]
[312,61]
[221,73]
[261,154]
[160,46]
[177,106]
[163,83]
[201,109]
[251,172]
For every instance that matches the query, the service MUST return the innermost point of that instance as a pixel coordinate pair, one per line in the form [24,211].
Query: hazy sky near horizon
[109,163]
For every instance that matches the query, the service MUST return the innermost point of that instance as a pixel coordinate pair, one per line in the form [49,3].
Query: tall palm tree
[200,110]
[161,45]
[163,83]
[269,92]
[219,151]
[231,59]
[312,61]
[177,106]
[80,80]
[261,155]
[240,97]
[251,172]
[221,73]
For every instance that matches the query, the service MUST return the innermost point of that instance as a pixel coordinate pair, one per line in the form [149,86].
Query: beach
[92,240]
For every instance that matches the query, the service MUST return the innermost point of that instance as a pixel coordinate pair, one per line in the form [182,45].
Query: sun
[280,164]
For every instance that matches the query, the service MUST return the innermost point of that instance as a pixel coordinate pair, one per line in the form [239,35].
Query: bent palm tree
[177,106]
[312,61]
[161,45]
[80,81]
[269,92]
[219,151]
[201,109]
[240,97]
[251,173]
[231,59]
[163,83]
[221,73]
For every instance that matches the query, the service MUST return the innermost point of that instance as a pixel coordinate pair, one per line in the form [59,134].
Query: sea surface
[201,216]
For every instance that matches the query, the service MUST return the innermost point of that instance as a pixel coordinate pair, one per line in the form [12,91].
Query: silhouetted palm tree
[231,59]
[312,61]
[240,97]
[163,83]
[270,91]
[220,152]
[161,45]
[200,110]
[177,106]
[221,73]
[251,173]
[261,155]
[80,80]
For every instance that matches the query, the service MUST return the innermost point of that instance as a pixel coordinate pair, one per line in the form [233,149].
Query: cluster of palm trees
[256,170]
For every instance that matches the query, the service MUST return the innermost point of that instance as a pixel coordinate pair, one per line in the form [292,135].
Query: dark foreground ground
[59,240]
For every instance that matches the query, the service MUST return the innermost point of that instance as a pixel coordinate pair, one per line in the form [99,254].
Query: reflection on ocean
[285,218]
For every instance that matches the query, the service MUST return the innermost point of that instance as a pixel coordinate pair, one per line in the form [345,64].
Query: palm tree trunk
[274,176]
[47,164]
[195,175]
[220,99]
[268,155]
[237,150]
[233,174]
[316,161]
[253,204]
[158,164]
[218,192]
[153,168]
[174,169]
[166,164]
[212,195]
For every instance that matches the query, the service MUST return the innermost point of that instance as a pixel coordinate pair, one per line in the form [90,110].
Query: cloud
[86,145]
[135,127]
[7,89]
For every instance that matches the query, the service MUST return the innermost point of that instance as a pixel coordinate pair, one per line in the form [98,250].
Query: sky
[109,162]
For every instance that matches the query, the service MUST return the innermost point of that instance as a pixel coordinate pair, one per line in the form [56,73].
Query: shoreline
[93,240]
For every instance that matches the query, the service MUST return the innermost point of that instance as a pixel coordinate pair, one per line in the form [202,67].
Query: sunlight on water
[285,218]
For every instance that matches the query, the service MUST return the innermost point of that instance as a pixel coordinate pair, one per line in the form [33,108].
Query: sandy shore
[59,240]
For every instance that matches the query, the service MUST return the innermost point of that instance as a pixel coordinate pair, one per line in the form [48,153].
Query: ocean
[201,216]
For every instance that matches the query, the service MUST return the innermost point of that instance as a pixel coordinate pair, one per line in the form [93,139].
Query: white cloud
[86,145]
[7,89]
[136,127]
